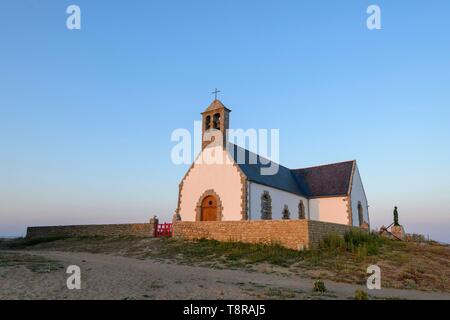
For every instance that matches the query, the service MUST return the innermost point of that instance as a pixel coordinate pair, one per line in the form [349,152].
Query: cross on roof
[215,92]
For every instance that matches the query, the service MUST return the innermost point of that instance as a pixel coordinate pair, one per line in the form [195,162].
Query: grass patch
[230,253]
[121,245]
[31,262]
[358,242]
[36,241]
[275,293]
[333,242]
[22,243]
[357,239]
[156,285]
[405,265]
[361,295]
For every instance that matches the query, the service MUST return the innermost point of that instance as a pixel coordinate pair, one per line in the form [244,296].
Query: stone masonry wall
[138,229]
[317,230]
[293,234]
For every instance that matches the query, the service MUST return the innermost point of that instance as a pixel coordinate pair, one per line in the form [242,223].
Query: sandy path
[112,277]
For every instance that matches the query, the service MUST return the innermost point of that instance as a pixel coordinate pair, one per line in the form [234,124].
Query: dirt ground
[26,274]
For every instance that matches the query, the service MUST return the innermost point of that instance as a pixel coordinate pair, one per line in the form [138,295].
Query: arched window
[286,214]
[208,123]
[301,210]
[216,121]
[266,206]
[360,213]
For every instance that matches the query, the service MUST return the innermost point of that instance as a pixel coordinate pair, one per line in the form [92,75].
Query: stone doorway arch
[209,207]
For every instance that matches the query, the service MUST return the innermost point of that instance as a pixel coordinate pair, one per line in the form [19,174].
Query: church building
[237,190]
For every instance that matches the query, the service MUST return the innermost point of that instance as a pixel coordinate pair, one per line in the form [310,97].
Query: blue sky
[86,116]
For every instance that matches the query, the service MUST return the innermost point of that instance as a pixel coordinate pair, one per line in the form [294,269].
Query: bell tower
[215,117]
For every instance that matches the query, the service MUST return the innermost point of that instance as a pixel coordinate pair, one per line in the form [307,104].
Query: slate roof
[251,164]
[327,180]
[321,181]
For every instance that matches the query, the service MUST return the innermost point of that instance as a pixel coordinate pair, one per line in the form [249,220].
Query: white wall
[223,178]
[333,209]
[358,194]
[279,200]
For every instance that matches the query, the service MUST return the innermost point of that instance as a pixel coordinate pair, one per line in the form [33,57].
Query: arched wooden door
[209,209]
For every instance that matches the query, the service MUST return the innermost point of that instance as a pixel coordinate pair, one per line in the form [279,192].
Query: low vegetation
[282,294]
[21,243]
[228,253]
[357,242]
[31,262]
[361,295]
[405,265]
[319,286]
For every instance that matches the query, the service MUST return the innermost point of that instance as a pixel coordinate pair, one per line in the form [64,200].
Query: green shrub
[358,242]
[319,286]
[361,295]
[363,243]
[361,252]
[333,242]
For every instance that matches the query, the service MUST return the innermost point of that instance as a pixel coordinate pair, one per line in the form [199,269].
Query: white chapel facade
[235,189]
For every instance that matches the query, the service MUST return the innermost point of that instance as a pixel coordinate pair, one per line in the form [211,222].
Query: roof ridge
[324,165]
[298,181]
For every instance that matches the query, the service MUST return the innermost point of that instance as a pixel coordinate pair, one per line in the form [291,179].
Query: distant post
[154,224]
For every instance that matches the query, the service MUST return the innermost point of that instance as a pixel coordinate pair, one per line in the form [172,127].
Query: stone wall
[137,229]
[317,230]
[293,234]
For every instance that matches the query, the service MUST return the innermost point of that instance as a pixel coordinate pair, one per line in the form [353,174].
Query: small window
[208,123]
[301,210]
[266,206]
[360,213]
[216,121]
[286,213]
